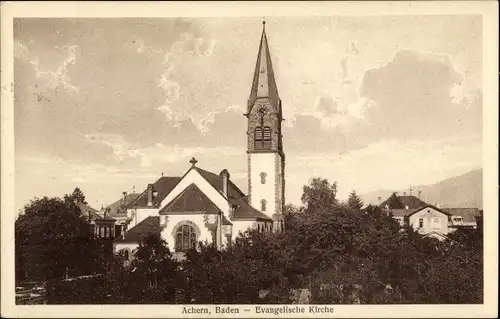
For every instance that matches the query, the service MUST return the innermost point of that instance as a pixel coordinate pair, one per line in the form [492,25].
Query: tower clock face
[262,111]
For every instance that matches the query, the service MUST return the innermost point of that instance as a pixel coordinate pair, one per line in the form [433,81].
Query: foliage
[319,193]
[339,256]
[54,236]
[354,202]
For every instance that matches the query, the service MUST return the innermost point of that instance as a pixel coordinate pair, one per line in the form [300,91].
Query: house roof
[401,212]
[191,199]
[398,212]
[106,218]
[435,234]
[216,181]
[243,210]
[400,202]
[429,206]
[150,225]
[469,214]
[117,208]
[225,221]
[87,210]
[162,186]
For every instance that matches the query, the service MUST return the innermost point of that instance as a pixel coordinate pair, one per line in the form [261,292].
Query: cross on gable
[193,161]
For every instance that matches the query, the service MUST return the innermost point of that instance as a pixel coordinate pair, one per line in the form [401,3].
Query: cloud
[187,47]
[55,76]
[412,97]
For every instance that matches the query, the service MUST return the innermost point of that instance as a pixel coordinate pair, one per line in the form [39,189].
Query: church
[207,206]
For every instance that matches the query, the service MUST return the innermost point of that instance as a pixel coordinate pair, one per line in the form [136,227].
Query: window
[267,138]
[420,222]
[263,178]
[127,254]
[263,204]
[185,238]
[258,138]
[118,230]
[102,231]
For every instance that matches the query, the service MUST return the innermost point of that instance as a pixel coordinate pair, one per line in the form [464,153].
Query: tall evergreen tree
[354,202]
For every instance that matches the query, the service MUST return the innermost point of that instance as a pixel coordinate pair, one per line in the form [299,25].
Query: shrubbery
[340,253]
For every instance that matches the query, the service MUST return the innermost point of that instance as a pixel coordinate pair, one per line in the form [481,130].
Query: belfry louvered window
[266,138]
[258,138]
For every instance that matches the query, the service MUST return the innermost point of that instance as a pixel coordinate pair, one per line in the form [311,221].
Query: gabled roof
[429,206]
[469,214]
[401,212]
[398,212]
[264,83]
[150,225]
[225,221]
[216,181]
[400,202]
[87,210]
[191,199]
[163,186]
[243,210]
[119,207]
[236,197]
[437,235]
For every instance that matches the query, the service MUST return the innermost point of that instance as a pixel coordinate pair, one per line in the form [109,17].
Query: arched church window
[263,205]
[266,138]
[258,138]
[263,178]
[185,238]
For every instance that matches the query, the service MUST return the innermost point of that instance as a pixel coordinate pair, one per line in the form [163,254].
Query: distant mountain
[459,191]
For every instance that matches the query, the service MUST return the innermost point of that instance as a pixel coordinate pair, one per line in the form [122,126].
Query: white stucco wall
[139,214]
[241,227]
[259,163]
[173,220]
[428,215]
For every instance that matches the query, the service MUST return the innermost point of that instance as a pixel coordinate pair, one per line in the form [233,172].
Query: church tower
[266,160]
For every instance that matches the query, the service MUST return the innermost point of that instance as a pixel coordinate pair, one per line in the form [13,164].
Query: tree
[77,196]
[52,237]
[354,202]
[154,262]
[318,193]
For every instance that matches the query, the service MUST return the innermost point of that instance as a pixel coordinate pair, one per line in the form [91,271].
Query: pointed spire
[264,83]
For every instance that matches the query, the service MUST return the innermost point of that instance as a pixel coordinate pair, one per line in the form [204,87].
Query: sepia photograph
[249,165]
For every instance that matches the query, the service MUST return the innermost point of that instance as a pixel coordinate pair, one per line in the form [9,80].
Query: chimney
[124,198]
[150,194]
[225,180]
[379,199]
[404,193]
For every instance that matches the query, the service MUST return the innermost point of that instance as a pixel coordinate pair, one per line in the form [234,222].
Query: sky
[372,102]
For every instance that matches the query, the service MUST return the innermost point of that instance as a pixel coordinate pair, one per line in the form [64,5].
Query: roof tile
[150,225]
